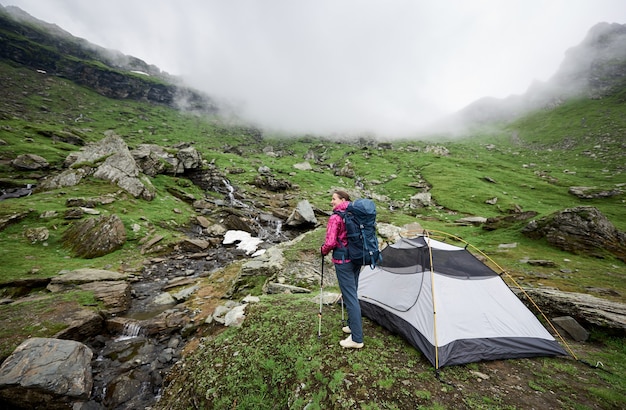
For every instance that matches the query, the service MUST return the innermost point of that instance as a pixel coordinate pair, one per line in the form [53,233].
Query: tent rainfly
[450,305]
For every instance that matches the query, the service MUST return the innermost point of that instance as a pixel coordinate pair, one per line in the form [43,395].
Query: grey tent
[450,305]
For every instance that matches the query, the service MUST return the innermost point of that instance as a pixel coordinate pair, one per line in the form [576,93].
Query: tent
[447,303]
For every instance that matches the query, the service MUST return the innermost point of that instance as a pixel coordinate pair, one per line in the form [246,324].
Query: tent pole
[432,291]
[319,327]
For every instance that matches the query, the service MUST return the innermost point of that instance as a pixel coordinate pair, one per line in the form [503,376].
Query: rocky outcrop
[580,230]
[586,309]
[108,159]
[47,374]
[595,68]
[49,49]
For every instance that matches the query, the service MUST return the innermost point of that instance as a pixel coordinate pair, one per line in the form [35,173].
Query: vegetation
[276,360]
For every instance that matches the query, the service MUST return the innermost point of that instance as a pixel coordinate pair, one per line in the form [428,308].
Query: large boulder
[580,230]
[47,374]
[95,237]
[586,309]
[108,159]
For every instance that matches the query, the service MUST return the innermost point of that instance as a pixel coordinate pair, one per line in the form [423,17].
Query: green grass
[276,357]
[276,360]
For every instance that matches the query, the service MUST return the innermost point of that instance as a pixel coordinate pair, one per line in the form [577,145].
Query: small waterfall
[130,331]
[231,195]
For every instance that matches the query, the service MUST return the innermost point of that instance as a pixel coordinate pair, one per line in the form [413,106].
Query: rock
[346,171]
[541,262]
[113,162]
[51,371]
[270,183]
[29,162]
[188,159]
[184,294]
[35,235]
[303,214]
[81,276]
[115,295]
[153,159]
[585,192]
[471,220]
[437,150]
[277,288]
[69,177]
[95,237]
[586,309]
[492,201]
[257,272]
[421,200]
[82,324]
[505,221]
[193,245]
[571,327]
[582,229]
[303,166]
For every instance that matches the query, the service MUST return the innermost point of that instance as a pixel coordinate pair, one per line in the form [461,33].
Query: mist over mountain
[592,69]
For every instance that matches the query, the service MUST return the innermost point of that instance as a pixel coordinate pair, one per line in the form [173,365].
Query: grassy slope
[545,144]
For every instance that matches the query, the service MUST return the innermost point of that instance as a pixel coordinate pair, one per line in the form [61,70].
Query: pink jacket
[336,231]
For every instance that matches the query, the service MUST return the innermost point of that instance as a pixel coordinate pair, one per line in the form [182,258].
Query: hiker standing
[347,272]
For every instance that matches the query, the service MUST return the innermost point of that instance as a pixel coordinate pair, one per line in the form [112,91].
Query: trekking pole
[319,328]
[343,322]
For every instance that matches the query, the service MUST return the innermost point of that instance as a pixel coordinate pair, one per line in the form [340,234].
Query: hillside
[58,101]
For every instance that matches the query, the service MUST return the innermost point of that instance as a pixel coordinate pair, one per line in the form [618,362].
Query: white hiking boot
[346,329]
[349,344]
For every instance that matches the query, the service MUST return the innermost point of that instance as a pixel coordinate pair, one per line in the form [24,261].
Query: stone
[570,326]
[95,237]
[303,214]
[43,370]
[580,230]
[29,162]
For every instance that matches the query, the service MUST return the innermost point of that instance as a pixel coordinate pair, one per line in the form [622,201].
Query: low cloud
[327,66]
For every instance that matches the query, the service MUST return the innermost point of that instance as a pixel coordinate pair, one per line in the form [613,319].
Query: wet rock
[47,374]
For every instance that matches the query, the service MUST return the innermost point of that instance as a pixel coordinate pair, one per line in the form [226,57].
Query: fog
[389,67]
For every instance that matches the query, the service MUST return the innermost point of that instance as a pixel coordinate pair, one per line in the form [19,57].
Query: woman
[347,272]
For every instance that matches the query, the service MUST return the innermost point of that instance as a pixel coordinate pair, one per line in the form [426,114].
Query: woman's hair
[343,195]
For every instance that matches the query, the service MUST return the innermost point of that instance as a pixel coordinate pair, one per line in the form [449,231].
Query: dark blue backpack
[360,220]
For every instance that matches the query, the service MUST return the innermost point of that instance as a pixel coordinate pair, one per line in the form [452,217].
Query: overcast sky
[323,66]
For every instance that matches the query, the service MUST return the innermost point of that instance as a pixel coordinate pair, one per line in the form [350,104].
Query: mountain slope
[594,69]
